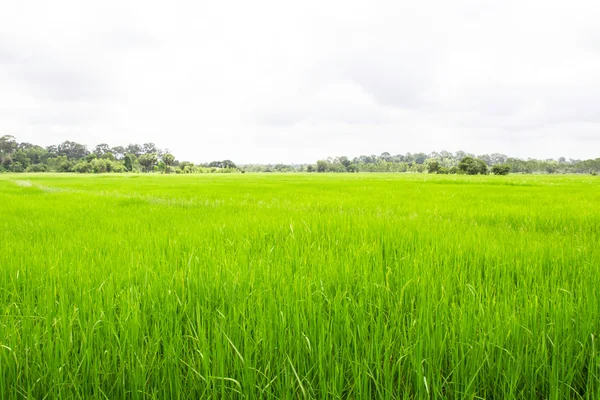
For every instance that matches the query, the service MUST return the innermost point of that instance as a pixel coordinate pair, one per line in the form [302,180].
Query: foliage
[17,167]
[473,166]
[433,167]
[222,164]
[168,159]
[500,169]
[65,156]
[37,168]
[148,161]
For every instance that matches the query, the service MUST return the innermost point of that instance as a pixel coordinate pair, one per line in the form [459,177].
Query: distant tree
[17,167]
[36,154]
[52,151]
[459,155]
[21,157]
[500,169]
[100,165]
[148,161]
[420,158]
[82,167]
[8,145]
[134,149]
[108,156]
[101,149]
[472,166]
[346,162]
[486,158]
[228,164]
[498,158]
[186,166]
[445,154]
[310,168]
[129,161]
[150,148]
[352,167]
[72,150]
[119,152]
[168,159]
[323,166]
[37,168]
[433,166]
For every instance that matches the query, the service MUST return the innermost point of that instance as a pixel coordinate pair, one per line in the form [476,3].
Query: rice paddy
[353,286]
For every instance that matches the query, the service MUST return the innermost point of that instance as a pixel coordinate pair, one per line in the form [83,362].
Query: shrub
[17,167]
[433,167]
[37,168]
[82,167]
[473,166]
[500,169]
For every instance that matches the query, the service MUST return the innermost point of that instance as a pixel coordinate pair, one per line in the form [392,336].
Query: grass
[299,286]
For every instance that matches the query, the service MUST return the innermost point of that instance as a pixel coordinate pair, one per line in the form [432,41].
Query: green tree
[134,149]
[472,166]
[129,161]
[148,161]
[8,145]
[433,166]
[500,169]
[21,157]
[109,156]
[119,152]
[323,166]
[420,158]
[82,167]
[352,167]
[101,149]
[17,167]
[72,150]
[168,159]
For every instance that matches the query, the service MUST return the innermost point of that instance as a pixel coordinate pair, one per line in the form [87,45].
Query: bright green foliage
[287,286]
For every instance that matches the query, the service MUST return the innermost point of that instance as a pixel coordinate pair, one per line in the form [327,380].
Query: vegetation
[472,166]
[75,157]
[299,286]
[500,169]
[448,163]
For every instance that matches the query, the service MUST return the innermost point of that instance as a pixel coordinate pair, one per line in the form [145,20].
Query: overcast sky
[282,81]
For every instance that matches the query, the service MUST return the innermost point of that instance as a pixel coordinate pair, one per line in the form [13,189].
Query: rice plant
[292,286]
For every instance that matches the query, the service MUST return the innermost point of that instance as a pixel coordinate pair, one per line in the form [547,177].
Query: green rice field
[294,286]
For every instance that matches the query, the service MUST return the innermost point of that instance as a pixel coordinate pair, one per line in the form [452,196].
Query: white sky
[282,81]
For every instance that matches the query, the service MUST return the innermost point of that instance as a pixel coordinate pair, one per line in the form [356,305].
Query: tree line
[459,162]
[75,157]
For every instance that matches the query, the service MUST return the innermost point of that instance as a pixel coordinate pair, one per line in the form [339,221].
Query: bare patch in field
[23,183]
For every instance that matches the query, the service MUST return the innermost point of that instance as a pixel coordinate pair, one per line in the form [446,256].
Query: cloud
[281,82]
